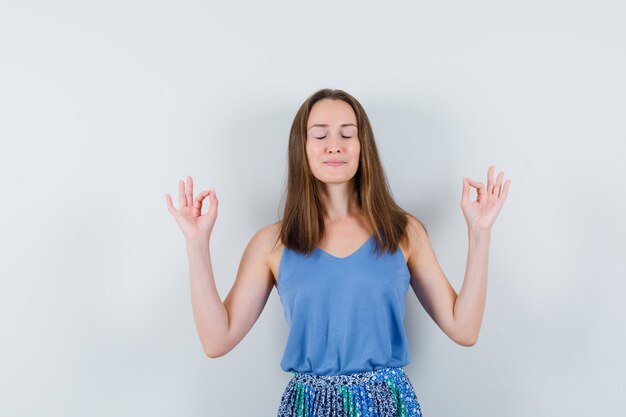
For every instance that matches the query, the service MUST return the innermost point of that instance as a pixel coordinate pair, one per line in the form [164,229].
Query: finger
[480,191]
[189,190]
[182,200]
[505,190]
[168,201]
[214,203]
[197,202]
[490,183]
[498,189]
[480,187]
[465,193]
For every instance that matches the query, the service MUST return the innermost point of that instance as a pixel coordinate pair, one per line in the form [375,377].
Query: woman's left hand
[481,213]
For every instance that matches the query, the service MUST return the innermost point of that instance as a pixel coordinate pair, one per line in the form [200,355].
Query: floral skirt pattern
[385,392]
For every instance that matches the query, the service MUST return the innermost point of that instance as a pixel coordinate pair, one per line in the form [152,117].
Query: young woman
[342,259]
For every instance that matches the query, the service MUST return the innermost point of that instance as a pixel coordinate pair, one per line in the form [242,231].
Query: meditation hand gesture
[481,214]
[189,217]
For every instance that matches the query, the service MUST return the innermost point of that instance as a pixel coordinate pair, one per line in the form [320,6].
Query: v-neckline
[349,256]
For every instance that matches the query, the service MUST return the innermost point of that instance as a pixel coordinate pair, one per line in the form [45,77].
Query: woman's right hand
[189,217]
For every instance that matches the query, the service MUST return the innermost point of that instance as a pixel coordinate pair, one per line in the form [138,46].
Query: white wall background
[105,105]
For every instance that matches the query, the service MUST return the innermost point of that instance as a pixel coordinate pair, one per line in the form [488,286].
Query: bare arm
[222,325]
[469,307]
[428,281]
[458,315]
[209,313]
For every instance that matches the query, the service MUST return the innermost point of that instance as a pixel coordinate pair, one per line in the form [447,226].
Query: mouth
[335,163]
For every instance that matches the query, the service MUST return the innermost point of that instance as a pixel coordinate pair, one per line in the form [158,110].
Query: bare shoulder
[268,236]
[267,240]
[417,235]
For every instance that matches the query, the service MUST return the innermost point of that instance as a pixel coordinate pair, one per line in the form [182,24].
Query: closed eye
[345,137]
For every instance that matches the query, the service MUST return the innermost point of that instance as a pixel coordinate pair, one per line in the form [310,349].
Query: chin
[335,180]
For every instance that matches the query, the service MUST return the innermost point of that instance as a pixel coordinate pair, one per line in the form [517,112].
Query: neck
[340,202]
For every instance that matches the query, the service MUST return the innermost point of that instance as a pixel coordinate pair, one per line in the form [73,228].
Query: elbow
[467,341]
[213,354]
[217,347]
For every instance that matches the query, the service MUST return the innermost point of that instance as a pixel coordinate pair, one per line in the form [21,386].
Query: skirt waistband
[357,378]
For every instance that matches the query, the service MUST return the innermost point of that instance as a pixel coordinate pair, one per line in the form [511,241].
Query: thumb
[197,202]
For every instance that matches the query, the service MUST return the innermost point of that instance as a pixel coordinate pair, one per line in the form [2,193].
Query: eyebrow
[325,125]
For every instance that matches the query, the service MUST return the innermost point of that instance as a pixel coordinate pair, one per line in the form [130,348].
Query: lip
[334,163]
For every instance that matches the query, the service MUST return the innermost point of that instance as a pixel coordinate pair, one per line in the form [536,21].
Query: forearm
[210,314]
[470,304]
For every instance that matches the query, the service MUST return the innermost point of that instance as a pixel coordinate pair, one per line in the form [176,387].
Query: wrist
[197,241]
[478,231]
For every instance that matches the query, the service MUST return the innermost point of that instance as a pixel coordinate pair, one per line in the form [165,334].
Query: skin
[346,229]
[221,325]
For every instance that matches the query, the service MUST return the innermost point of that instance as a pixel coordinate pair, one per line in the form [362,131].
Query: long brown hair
[303,223]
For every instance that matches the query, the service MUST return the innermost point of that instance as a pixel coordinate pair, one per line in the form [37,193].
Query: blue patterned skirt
[383,392]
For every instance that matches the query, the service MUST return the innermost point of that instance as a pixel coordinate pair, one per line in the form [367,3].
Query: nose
[334,143]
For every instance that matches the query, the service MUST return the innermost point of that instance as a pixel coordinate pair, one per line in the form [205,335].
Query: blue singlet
[345,315]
